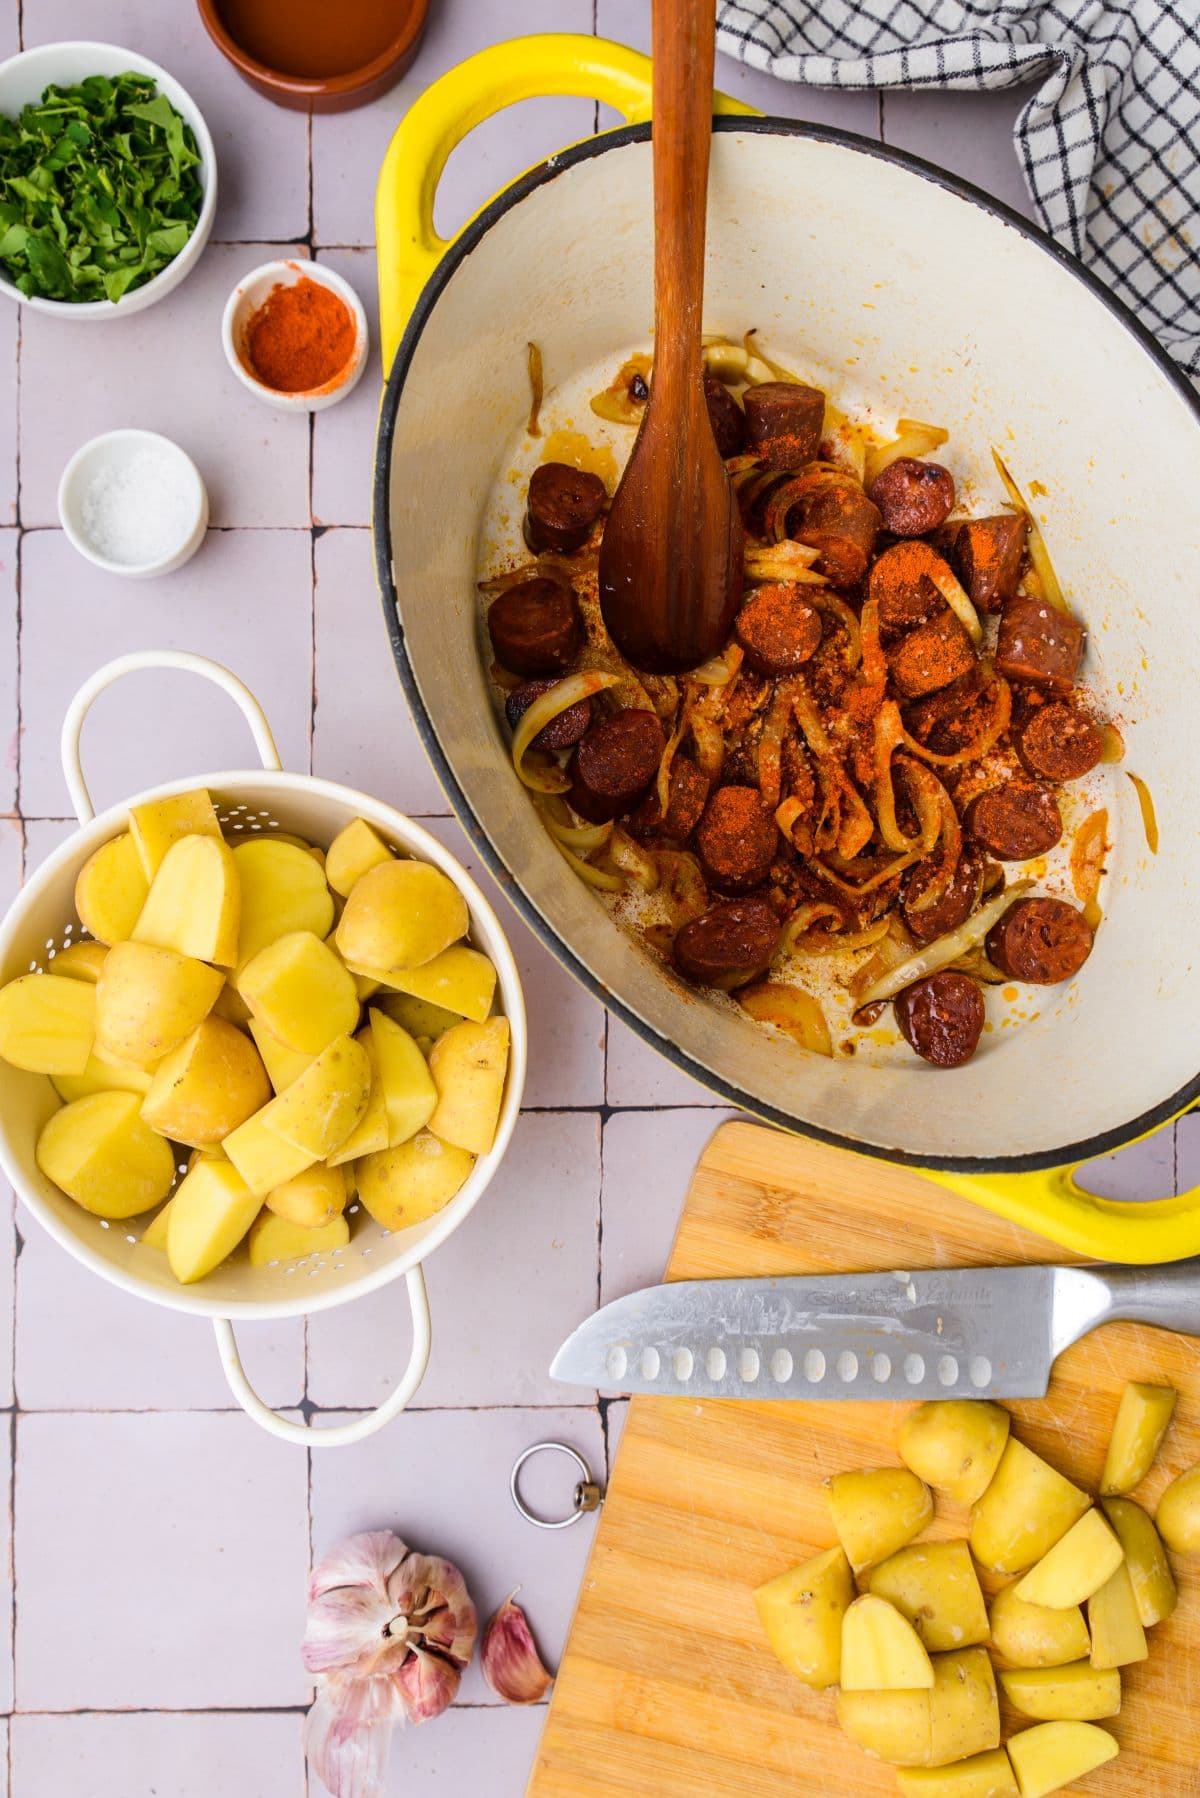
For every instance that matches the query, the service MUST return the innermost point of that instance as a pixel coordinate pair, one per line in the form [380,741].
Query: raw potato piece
[955,1445]
[102,1076]
[283,889]
[111,889]
[877,1511]
[1079,1693]
[99,1152]
[802,1612]
[299,989]
[155,1234]
[1142,1419]
[935,1586]
[1118,1638]
[79,961]
[1074,1568]
[964,1712]
[408,1184]
[400,915]
[893,1726]
[1024,1511]
[148,1000]
[313,1199]
[417,1016]
[1149,1570]
[195,904]
[983,1776]
[881,1651]
[354,852]
[1029,1635]
[320,1109]
[273,1238]
[1053,1755]
[47,1023]
[409,1094]
[232,1007]
[1178,1514]
[161,822]
[206,1087]
[210,1213]
[370,1134]
[263,1159]
[468,1065]
[283,1065]
[458,980]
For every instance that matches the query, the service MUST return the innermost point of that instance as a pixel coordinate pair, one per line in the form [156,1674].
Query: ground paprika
[300,338]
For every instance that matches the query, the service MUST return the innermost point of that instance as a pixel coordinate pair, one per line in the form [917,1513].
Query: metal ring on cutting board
[587,1495]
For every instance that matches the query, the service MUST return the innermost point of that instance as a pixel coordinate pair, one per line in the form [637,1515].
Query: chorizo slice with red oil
[563,505]
[778,629]
[562,732]
[988,553]
[931,657]
[913,496]
[956,903]
[736,840]
[1038,643]
[784,421]
[535,628]
[842,523]
[1058,742]
[726,417]
[1041,941]
[612,766]
[729,944]
[687,793]
[1016,821]
[902,585]
[942,1018]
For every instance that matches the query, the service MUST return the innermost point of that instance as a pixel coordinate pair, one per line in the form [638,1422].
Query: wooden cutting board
[667,1688]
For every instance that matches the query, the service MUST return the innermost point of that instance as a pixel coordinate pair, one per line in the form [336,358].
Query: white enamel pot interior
[254,800]
[891,286]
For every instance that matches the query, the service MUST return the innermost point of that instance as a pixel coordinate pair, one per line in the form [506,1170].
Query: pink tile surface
[344,435]
[639,1075]
[9,552]
[252,1756]
[649,1157]
[10,330]
[465,1746]
[970,134]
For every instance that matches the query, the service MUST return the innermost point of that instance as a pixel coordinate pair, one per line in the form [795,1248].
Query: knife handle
[1167,1297]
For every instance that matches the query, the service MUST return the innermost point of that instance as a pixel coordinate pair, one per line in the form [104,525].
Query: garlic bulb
[509,1657]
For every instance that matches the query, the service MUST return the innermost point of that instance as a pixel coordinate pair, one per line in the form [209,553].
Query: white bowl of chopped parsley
[108,180]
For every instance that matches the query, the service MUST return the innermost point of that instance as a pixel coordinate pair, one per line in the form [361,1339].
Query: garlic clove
[432,1594]
[366,1560]
[427,1685]
[348,1734]
[509,1657]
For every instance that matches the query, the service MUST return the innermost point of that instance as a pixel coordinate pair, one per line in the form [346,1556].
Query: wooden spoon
[671,557]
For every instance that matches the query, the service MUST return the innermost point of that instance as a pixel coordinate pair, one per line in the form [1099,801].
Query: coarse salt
[138,510]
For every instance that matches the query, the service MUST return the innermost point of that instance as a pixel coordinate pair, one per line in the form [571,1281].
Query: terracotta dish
[313,57]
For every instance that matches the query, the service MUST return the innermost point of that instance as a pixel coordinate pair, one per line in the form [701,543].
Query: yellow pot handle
[409,249]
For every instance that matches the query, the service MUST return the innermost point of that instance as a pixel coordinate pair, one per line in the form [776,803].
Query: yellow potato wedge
[400,915]
[802,1611]
[155,1234]
[318,1111]
[1143,1417]
[299,989]
[1075,1567]
[370,1134]
[876,1512]
[982,1776]
[47,1023]
[409,1094]
[964,1711]
[194,905]
[354,852]
[273,1238]
[407,1184]
[1118,1639]
[881,1651]
[283,1065]
[101,1154]
[1026,1509]
[934,1585]
[417,1016]
[955,1445]
[161,822]
[1149,1570]
[210,1213]
[1178,1514]
[893,1726]
[148,1000]
[1029,1635]
[81,960]
[1078,1693]
[111,889]
[312,1199]
[458,980]
[206,1087]
[102,1076]
[263,1159]
[468,1064]
[283,890]
[232,1007]
[1052,1755]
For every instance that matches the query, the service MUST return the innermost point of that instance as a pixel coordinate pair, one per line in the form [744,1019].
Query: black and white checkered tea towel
[1109,141]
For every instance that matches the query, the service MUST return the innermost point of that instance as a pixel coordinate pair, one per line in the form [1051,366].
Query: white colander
[42,919]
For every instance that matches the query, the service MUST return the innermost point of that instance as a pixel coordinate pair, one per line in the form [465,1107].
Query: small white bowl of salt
[133,503]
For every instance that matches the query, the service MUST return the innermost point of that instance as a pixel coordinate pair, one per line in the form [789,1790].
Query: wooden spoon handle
[684,50]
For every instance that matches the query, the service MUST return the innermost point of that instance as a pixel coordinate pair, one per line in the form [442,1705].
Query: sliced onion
[662,782]
[1113,744]
[1039,555]
[633,860]
[682,891]
[616,402]
[770,745]
[599,878]
[991,733]
[809,720]
[605,658]
[727,361]
[787,814]
[1149,820]
[959,601]
[583,838]
[549,777]
[949,840]
[791,1010]
[881,876]
[770,370]
[808,913]
[832,942]
[1087,856]
[710,744]
[912,439]
[536,389]
[786,561]
[978,966]
[931,958]
[719,670]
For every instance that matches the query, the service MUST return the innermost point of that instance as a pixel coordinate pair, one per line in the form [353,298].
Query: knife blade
[989,1332]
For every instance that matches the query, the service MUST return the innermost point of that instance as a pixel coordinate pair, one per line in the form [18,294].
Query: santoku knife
[967,1332]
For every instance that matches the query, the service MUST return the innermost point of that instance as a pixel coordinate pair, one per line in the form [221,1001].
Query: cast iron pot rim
[1083,1150]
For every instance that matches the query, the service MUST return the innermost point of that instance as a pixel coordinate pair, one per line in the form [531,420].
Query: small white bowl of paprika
[295,334]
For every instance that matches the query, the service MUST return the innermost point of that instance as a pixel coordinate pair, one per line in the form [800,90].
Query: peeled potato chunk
[1143,1416]
[1079,1693]
[155,1234]
[81,960]
[955,1445]
[283,1065]
[417,1016]
[274,1238]
[283,889]
[1178,1514]
[982,1776]
[158,823]
[263,1159]
[101,1154]
[964,1712]
[407,1184]
[400,914]
[1149,1570]
[934,1585]
[148,1000]
[47,1023]
[802,1612]
[312,1199]
[111,889]
[1075,1567]
[194,905]
[468,1065]
[1118,1638]
[354,852]
[206,1087]
[409,1094]
[370,1134]
[877,1511]
[1030,1635]
[458,980]
[233,1008]
[318,1111]
[210,1213]
[1053,1755]
[1024,1511]
[299,989]
[894,1726]
[881,1651]
[102,1076]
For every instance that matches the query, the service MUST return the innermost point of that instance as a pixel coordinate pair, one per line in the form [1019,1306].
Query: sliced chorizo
[902,584]
[1058,742]
[729,944]
[687,794]
[726,417]
[784,421]
[942,1018]
[929,717]
[840,521]
[535,627]
[562,732]
[1016,821]
[612,766]
[954,906]
[1041,941]
[931,657]
[913,496]
[736,840]
[778,628]
[1038,643]
[563,505]
[988,552]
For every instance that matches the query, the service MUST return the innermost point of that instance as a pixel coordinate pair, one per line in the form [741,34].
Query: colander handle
[185,663]
[336,1435]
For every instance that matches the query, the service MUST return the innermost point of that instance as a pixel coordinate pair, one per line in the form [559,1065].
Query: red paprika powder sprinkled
[301,337]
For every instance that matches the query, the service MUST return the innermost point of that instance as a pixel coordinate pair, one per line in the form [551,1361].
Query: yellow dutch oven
[892,283]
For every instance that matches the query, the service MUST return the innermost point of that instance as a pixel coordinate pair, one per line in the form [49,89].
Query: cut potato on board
[881,1651]
[210,1213]
[1077,1565]
[354,851]
[955,1445]
[468,1064]
[1053,1755]
[299,989]
[206,1087]
[1077,1693]
[81,960]
[893,1726]
[964,1711]
[311,1199]
[400,914]
[1149,1570]
[272,1238]
[318,1111]
[158,823]
[102,1076]
[148,1000]
[802,1612]
[263,1159]
[934,1585]
[194,905]
[876,1511]
[283,1065]
[1118,1639]
[370,1134]
[407,1184]
[1030,1635]
[1026,1509]
[1178,1514]
[982,1776]
[460,980]
[47,1023]
[101,1154]
[417,1016]
[111,889]
[409,1094]
[283,890]
[1143,1417]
